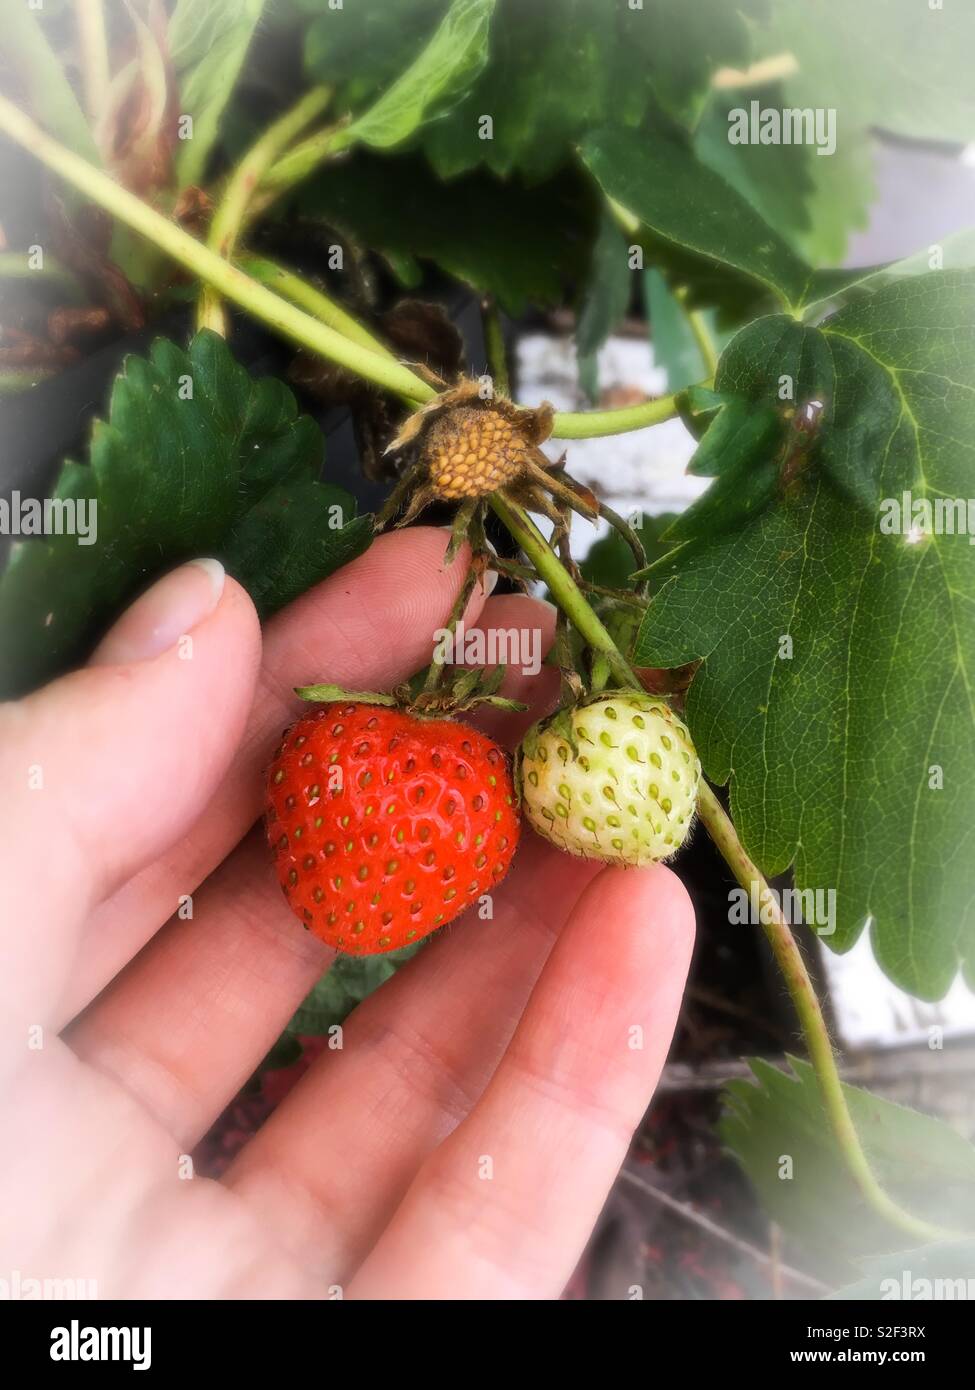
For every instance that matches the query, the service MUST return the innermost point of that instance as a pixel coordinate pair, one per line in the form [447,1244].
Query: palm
[462,1140]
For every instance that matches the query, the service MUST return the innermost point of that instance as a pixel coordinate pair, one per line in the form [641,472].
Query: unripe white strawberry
[614,778]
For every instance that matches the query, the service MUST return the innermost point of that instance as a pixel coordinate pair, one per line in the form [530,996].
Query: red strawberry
[385,826]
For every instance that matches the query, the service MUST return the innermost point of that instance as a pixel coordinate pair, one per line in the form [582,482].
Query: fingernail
[174,605]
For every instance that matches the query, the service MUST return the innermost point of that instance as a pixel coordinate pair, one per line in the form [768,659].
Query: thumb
[104,768]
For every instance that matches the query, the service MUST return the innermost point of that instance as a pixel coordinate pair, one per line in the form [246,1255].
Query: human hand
[533,1041]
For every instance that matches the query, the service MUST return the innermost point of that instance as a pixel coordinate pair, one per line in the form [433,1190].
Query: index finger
[370,625]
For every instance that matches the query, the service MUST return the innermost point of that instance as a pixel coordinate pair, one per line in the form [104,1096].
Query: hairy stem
[231,214]
[277,313]
[719,825]
[298,163]
[630,224]
[307,296]
[564,588]
[280,315]
[494,346]
[436,669]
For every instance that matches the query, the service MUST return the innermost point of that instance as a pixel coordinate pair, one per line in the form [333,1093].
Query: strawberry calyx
[463,690]
[333,694]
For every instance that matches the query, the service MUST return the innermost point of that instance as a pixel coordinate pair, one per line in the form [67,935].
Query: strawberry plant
[783,666]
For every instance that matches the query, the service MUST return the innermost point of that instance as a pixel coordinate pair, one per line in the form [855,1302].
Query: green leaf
[436,79]
[561,67]
[540,88]
[686,44]
[896,64]
[520,244]
[230,472]
[921,1161]
[208,42]
[942,1271]
[737,438]
[348,981]
[844,190]
[699,227]
[365,46]
[955,252]
[832,754]
[50,95]
[297,533]
[813,201]
[740,447]
[605,301]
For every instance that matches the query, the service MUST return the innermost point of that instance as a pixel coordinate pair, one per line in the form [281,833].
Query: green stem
[231,213]
[788,957]
[630,224]
[296,166]
[374,365]
[315,301]
[591,423]
[282,317]
[626,532]
[627,221]
[564,589]
[93,48]
[436,669]
[494,346]
[600,674]
[701,333]
[803,994]
[14,266]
